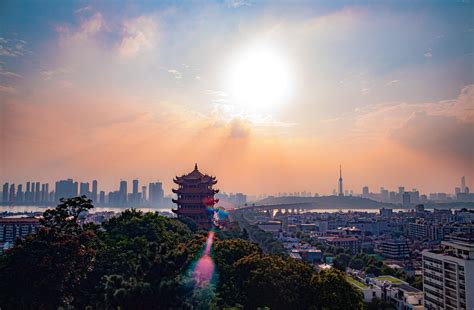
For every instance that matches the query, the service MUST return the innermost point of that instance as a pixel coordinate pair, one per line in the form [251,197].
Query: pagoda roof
[195,175]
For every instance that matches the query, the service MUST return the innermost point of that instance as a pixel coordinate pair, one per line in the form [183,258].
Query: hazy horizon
[268,97]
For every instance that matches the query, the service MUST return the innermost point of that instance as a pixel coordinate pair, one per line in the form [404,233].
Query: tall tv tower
[341,193]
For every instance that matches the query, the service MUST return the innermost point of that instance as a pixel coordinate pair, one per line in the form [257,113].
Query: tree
[334,292]
[357,263]
[45,269]
[341,261]
[270,281]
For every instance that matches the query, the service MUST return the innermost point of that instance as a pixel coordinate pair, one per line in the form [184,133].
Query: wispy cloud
[137,35]
[237,3]
[13,47]
[7,89]
[49,74]
[391,82]
[89,26]
[177,75]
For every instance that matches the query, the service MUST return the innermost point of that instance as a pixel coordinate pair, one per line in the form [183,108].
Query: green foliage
[341,261]
[142,261]
[335,292]
[44,270]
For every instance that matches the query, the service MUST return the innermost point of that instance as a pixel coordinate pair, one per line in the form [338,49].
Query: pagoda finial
[195,166]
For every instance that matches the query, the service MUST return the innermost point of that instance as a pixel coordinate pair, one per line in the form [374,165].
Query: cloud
[177,75]
[13,47]
[138,34]
[49,74]
[7,89]
[237,3]
[391,82]
[238,129]
[436,129]
[437,136]
[365,91]
[89,26]
[83,9]
[9,74]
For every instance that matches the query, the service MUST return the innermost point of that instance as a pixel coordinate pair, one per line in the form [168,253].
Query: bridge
[288,208]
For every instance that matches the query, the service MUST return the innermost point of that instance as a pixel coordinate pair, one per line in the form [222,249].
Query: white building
[448,275]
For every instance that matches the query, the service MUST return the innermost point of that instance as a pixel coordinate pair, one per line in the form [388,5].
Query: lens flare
[204,269]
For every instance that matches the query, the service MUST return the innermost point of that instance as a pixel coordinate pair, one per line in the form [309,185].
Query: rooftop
[390,279]
[356,283]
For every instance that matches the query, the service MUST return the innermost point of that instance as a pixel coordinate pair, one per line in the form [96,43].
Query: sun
[259,79]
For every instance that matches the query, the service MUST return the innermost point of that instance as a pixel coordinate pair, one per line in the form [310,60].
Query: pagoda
[195,197]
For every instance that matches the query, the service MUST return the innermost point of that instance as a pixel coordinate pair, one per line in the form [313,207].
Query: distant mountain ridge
[330,202]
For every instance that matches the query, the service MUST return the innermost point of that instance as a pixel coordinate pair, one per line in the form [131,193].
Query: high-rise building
[20,195]
[12,196]
[135,194]
[65,189]
[43,192]
[448,275]
[144,193]
[406,199]
[194,195]
[123,192]
[135,186]
[365,191]
[102,197]
[341,192]
[463,184]
[28,192]
[5,192]
[156,193]
[47,194]
[33,195]
[94,191]
[84,189]
[37,192]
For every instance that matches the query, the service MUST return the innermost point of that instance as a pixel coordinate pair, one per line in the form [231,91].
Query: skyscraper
[365,191]
[341,192]
[5,192]
[28,192]
[20,196]
[123,192]
[144,193]
[65,189]
[463,184]
[12,197]
[43,192]
[84,189]
[46,195]
[156,192]
[94,191]
[135,194]
[37,192]
[32,194]
[135,186]
[102,197]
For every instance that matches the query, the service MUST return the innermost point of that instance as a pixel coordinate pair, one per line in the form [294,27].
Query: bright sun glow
[259,79]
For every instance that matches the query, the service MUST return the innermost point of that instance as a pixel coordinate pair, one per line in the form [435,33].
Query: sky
[267,96]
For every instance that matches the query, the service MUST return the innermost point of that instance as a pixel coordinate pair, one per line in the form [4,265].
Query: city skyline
[92,190]
[264,94]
